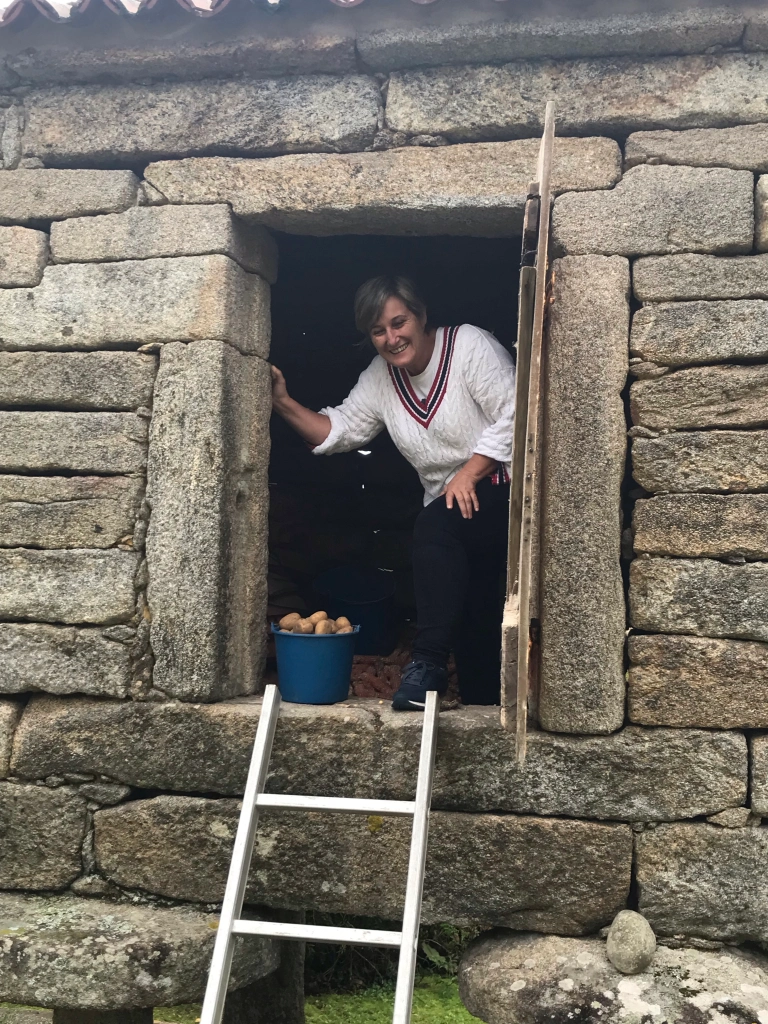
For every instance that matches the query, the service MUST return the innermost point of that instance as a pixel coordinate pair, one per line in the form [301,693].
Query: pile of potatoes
[319,623]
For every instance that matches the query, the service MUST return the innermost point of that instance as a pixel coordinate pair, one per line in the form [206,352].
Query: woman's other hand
[279,388]
[461,487]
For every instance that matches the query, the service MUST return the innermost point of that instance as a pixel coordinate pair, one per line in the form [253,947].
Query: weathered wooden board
[516,624]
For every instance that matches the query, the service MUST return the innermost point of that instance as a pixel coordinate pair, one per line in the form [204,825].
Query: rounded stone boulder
[631,943]
[514,978]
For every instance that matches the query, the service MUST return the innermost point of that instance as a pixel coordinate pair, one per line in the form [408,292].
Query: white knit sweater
[464,402]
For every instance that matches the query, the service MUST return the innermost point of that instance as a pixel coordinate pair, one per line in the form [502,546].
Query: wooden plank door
[523,524]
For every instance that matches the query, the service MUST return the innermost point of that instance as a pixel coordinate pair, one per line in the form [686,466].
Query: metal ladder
[230,922]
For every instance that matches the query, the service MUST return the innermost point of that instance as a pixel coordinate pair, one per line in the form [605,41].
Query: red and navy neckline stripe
[423,410]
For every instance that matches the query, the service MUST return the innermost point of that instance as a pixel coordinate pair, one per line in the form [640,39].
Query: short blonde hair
[372,295]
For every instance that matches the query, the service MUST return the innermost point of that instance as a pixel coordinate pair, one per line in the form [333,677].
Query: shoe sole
[409,705]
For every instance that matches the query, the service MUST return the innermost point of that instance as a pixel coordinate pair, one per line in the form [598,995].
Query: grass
[177,1014]
[435,1001]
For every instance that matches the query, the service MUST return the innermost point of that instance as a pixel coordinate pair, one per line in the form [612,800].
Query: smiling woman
[446,397]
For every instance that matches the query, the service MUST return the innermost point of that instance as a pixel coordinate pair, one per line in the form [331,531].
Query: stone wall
[135,265]
[134,410]
[697,597]
[152,442]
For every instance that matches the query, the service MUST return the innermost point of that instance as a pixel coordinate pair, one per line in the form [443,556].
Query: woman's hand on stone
[279,388]
[461,489]
[314,427]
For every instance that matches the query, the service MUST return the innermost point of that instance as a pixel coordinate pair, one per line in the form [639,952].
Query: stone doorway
[356,509]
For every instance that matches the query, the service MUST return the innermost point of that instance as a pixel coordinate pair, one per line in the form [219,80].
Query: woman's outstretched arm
[313,427]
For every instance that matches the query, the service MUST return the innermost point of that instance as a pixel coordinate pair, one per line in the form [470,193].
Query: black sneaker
[418,677]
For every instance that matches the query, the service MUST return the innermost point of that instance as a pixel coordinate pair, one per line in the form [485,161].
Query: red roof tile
[58,10]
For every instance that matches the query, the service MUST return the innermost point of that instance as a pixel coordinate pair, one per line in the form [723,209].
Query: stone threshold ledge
[363,749]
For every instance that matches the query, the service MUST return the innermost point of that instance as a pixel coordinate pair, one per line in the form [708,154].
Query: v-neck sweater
[467,407]
[422,382]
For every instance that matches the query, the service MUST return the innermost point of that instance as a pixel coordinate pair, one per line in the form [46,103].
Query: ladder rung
[335,803]
[317,933]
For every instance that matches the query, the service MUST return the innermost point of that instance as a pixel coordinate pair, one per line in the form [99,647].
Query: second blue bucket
[365,596]
[314,669]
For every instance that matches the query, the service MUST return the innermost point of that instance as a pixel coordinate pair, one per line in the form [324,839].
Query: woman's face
[399,335]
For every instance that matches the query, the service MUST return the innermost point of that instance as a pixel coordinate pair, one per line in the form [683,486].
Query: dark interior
[354,509]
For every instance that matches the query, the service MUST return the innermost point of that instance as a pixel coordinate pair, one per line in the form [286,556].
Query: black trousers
[458,567]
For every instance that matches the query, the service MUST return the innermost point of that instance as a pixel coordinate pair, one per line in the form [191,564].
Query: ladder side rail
[531,470]
[221,963]
[416,862]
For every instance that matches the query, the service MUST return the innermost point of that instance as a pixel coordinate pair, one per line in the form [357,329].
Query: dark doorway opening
[355,509]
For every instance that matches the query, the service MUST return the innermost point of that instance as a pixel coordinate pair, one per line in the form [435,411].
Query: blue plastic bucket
[365,596]
[314,669]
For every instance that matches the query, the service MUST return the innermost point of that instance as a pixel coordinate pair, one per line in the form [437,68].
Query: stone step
[75,954]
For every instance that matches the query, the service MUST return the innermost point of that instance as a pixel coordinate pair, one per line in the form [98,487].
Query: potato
[346,629]
[317,617]
[289,621]
[303,626]
[343,621]
[324,626]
